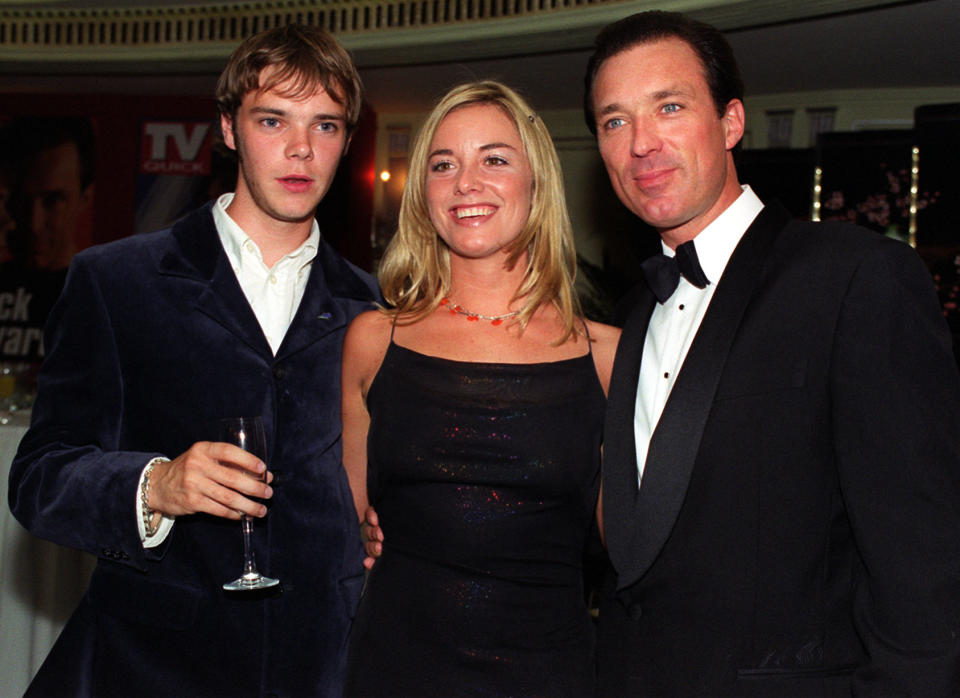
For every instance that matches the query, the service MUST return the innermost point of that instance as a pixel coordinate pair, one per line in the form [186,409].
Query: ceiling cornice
[127,37]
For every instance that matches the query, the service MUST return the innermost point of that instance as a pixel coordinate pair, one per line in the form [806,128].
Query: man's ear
[226,127]
[734,122]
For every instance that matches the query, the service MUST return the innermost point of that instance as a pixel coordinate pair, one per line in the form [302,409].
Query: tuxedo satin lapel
[676,439]
[619,446]
[198,262]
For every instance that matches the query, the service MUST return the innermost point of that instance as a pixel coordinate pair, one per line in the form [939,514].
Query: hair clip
[532,118]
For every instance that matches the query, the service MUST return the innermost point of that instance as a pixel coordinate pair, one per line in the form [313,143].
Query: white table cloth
[40,585]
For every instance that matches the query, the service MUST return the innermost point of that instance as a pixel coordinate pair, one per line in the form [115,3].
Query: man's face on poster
[53,201]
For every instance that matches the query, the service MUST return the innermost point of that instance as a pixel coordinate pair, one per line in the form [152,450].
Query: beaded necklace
[474,317]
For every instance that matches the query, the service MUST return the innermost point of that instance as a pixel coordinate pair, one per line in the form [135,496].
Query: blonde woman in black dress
[472,414]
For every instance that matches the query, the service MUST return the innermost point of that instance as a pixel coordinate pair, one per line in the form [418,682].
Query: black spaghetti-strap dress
[485,479]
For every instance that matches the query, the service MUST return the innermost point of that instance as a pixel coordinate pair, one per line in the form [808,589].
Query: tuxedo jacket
[151,342]
[797,529]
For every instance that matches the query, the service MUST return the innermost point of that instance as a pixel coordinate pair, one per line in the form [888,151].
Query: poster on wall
[47,166]
[179,170]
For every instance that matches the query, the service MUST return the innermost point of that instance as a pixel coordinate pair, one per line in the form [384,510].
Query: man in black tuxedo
[239,309]
[781,482]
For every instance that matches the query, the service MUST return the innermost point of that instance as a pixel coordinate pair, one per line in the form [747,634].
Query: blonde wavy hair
[415,271]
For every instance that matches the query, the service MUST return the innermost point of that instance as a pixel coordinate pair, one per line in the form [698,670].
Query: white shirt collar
[717,241]
[234,239]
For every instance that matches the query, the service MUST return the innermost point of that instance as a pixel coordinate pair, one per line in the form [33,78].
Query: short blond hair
[415,271]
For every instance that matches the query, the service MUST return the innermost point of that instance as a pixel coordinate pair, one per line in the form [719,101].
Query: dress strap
[586,332]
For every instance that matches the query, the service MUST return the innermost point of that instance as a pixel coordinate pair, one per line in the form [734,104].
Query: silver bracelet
[148,525]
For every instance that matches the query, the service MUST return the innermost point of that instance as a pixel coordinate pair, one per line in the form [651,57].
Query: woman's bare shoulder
[604,348]
[371,322]
[372,326]
[365,344]
[603,335]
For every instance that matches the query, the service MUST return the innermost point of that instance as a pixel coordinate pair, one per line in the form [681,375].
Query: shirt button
[248,246]
[666,374]
[681,306]
[273,279]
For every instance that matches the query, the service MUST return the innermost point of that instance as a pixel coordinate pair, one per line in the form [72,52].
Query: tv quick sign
[175,148]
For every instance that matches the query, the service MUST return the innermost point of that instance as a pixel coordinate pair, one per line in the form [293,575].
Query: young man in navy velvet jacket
[239,309]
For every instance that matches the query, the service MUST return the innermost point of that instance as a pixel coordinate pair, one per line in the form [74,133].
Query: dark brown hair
[719,65]
[307,56]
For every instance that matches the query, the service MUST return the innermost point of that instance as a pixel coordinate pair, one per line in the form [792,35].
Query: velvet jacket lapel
[319,314]
[639,521]
[197,255]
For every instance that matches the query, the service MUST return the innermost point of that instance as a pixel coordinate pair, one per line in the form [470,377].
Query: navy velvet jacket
[151,342]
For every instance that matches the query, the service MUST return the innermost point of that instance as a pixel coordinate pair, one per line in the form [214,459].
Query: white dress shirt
[674,324]
[274,293]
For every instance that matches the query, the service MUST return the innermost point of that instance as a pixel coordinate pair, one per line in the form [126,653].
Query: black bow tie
[663,272]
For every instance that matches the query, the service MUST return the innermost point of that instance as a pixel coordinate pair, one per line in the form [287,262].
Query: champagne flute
[248,434]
